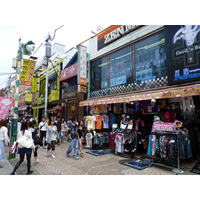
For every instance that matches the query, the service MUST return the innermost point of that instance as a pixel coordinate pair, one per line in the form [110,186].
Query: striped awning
[169,92]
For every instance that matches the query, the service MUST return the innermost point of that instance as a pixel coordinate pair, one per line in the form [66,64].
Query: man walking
[73,136]
[42,130]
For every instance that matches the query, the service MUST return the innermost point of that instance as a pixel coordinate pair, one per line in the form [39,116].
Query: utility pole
[48,40]
[26,49]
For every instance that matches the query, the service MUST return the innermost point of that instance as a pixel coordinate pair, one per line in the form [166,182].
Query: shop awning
[38,106]
[169,92]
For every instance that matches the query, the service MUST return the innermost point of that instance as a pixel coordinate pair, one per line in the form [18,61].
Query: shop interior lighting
[152,45]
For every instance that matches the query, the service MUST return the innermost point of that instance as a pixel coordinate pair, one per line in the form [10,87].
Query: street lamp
[24,49]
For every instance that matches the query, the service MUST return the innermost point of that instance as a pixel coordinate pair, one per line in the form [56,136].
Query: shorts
[51,145]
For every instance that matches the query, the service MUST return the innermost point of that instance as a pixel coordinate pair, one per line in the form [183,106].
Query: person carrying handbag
[26,145]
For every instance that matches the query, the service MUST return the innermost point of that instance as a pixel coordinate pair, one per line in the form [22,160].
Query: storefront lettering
[122,30]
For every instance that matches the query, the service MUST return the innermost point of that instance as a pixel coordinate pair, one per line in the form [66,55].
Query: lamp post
[26,49]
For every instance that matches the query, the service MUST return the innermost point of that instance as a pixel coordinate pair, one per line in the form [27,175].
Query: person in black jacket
[58,125]
[73,136]
[34,134]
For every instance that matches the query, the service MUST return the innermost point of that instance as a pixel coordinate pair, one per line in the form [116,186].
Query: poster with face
[183,53]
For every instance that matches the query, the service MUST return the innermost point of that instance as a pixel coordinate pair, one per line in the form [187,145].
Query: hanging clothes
[119,141]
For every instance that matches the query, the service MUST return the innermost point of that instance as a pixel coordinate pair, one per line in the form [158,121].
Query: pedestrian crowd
[49,134]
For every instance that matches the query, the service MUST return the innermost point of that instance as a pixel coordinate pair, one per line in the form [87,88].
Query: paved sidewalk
[108,164]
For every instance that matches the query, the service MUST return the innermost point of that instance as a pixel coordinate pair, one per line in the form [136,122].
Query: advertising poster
[27,72]
[183,53]
[82,65]
[5,105]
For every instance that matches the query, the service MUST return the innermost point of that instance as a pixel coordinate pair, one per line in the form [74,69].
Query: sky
[69,36]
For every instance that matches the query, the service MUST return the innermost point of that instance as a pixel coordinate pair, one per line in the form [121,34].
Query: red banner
[69,72]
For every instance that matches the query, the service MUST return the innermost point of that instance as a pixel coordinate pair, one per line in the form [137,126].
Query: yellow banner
[27,72]
[28,98]
[54,95]
[34,84]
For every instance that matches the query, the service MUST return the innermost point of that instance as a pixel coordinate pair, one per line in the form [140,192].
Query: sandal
[82,155]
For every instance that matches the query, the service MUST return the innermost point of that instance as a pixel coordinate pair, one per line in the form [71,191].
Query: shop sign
[34,85]
[69,72]
[183,48]
[28,97]
[54,95]
[21,101]
[27,72]
[159,126]
[69,94]
[82,65]
[113,33]
[82,88]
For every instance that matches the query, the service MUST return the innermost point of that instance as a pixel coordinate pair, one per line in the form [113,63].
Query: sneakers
[41,147]
[45,147]
[67,154]
[76,158]
[52,156]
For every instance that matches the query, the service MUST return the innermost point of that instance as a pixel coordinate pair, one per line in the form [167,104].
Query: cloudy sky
[67,35]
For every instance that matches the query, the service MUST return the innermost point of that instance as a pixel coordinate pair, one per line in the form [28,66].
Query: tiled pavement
[108,164]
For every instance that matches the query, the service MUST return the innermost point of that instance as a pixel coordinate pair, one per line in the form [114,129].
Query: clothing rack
[175,170]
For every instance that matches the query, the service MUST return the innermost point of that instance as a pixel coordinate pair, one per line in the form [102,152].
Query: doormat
[138,164]
[99,152]
[196,168]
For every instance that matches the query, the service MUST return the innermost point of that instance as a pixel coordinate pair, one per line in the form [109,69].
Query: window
[150,58]
[121,67]
[99,74]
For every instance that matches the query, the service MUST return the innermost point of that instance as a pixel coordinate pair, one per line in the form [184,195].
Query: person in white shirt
[42,131]
[3,139]
[51,138]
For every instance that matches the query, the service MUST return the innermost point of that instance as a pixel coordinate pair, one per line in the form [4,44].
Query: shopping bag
[14,147]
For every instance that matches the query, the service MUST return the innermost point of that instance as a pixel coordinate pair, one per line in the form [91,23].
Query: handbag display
[24,141]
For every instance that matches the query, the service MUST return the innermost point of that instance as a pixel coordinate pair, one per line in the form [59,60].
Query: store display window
[121,67]
[99,74]
[150,58]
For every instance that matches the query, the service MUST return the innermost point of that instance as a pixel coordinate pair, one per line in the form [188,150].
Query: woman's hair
[3,122]
[30,124]
[24,126]
[49,122]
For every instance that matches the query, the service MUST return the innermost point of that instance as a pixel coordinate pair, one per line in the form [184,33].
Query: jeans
[73,144]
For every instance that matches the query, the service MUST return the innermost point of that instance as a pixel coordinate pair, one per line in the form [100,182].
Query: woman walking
[51,138]
[63,129]
[24,150]
[3,139]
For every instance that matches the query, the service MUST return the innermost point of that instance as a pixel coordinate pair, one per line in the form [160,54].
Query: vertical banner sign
[27,72]
[82,65]
[34,84]
[5,105]
[183,53]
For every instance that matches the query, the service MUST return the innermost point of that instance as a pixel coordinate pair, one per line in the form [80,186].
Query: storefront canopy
[169,92]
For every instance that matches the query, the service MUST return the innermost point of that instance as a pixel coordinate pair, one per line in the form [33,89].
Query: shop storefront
[139,75]
[74,87]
